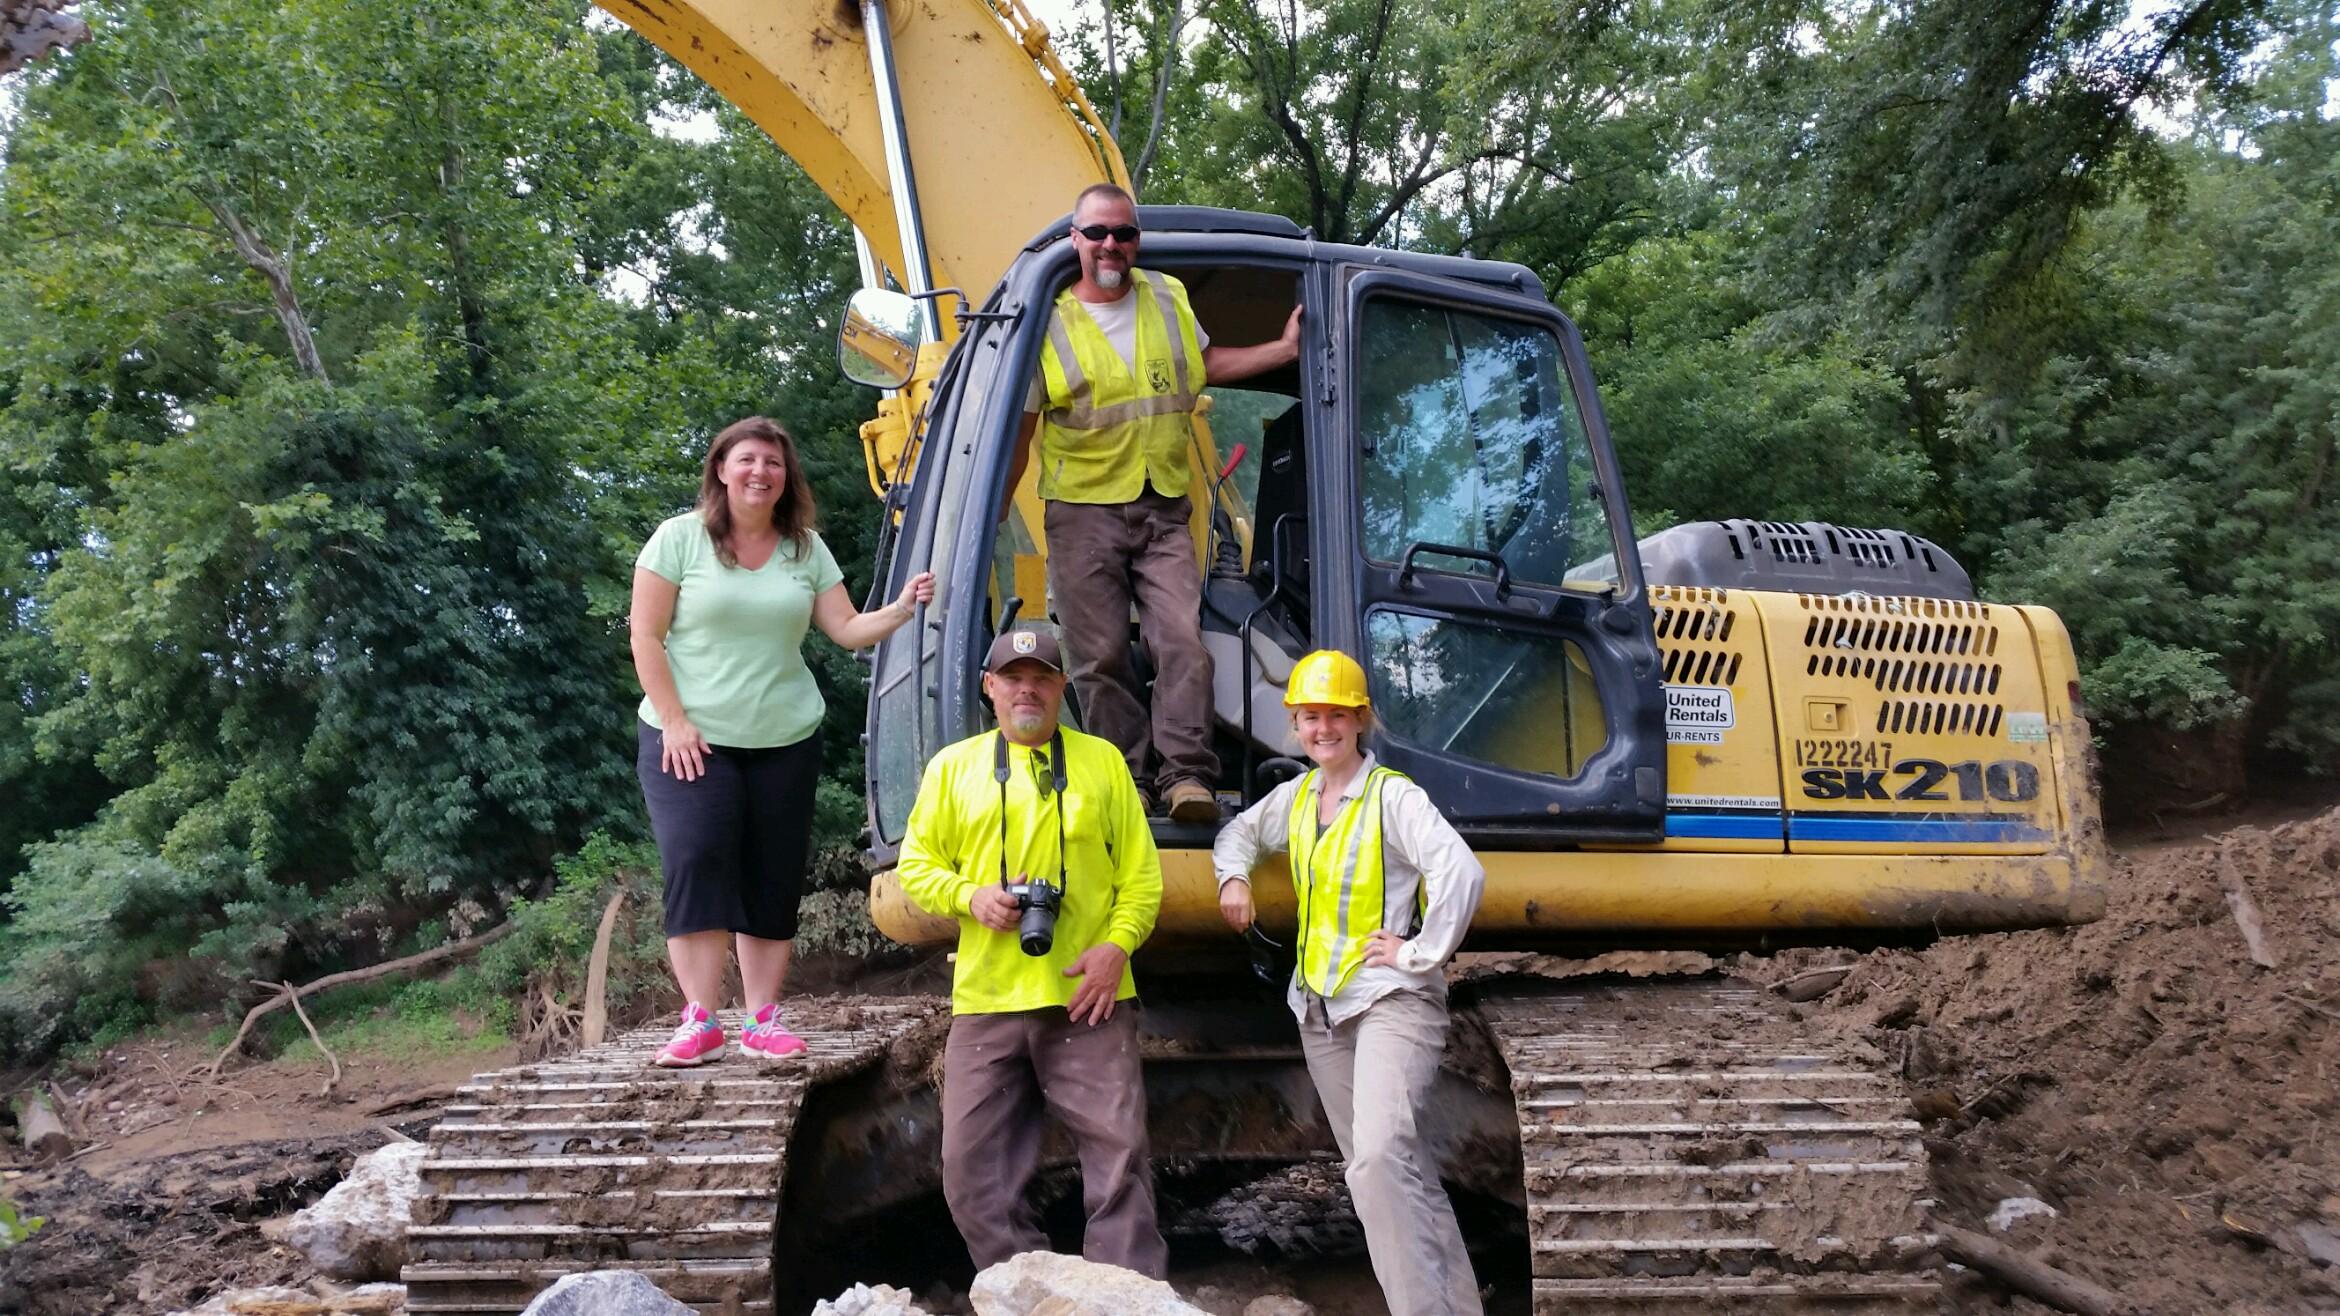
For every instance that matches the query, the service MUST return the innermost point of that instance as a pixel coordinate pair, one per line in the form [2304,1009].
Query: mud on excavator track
[1687,1150]
[597,1161]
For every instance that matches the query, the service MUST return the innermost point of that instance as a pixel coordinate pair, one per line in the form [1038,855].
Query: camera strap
[1056,779]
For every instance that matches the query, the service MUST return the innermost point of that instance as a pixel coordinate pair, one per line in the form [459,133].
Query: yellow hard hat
[1327,676]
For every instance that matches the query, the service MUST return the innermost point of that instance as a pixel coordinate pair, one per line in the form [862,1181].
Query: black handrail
[1243,632]
[1502,569]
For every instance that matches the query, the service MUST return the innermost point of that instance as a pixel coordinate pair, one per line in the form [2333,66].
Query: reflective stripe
[1060,341]
[1169,310]
[1097,418]
[1368,804]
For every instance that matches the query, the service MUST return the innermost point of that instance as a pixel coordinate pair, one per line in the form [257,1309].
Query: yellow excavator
[1733,735]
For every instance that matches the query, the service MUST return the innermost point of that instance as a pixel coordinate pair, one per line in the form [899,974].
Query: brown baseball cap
[1017,646]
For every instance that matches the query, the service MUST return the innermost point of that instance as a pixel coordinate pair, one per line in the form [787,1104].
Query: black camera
[1038,903]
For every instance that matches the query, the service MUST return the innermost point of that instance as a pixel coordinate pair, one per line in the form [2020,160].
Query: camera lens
[1036,930]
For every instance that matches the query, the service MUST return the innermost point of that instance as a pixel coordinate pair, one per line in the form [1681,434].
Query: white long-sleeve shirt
[1418,846]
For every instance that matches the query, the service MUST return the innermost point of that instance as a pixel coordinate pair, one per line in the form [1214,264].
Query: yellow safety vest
[1110,429]
[1338,879]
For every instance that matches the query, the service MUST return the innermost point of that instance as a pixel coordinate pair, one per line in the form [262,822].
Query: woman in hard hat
[1386,889]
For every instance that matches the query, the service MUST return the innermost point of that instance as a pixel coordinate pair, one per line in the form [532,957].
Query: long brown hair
[793,516]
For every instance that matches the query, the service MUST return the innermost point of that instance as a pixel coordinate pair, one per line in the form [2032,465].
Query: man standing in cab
[1113,412]
[1033,837]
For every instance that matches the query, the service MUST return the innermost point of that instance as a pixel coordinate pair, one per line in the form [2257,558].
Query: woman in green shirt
[729,743]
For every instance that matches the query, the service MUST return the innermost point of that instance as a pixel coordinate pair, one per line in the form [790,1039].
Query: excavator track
[1687,1148]
[599,1161]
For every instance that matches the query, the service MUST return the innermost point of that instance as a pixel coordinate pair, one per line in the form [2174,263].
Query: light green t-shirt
[736,645]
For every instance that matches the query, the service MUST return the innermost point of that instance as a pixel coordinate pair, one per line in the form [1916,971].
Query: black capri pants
[733,844]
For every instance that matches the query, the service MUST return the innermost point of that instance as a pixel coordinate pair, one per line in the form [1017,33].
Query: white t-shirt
[1118,318]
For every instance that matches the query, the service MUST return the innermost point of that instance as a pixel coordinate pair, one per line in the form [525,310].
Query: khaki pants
[1375,1074]
[1002,1074]
[1100,557]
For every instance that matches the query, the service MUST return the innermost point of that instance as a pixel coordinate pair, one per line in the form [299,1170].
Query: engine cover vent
[1815,557]
[1693,632]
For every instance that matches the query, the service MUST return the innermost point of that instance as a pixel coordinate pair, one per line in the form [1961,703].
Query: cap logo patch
[1024,642]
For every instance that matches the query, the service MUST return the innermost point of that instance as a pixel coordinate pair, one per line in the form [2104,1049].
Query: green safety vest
[1110,429]
[1338,878]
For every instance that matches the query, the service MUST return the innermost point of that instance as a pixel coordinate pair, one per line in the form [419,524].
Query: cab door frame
[1620,793]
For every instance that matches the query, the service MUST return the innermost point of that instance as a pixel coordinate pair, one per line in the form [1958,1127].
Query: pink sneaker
[697,1041]
[768,1037]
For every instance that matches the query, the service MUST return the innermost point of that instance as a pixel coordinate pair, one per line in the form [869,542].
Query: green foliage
[553,937]
[326,442]
[15,1227]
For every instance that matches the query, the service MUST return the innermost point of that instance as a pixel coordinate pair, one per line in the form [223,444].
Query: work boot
[1191,802]
[696,1041]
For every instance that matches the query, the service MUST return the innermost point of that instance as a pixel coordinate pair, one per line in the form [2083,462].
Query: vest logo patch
[1158,374]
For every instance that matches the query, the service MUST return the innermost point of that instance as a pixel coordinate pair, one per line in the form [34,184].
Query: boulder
[358,1231]
[1278,1304]
[2012,1209]
[1052,1284]
[862,1300]
[605,1293]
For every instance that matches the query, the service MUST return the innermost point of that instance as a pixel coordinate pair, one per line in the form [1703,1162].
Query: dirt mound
[2172,1099]
[164,1235]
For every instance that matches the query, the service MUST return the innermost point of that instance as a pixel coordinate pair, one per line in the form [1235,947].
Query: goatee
[1109,279]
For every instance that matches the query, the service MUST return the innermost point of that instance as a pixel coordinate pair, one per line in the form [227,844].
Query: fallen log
[2032,1277]
[414,1099]
[42,1132]
[2246,911]
[453,950]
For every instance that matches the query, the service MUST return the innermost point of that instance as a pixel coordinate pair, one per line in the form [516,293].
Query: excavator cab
[1430,488]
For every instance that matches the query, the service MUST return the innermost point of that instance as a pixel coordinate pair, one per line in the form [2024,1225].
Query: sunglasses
[1271,963]
[1122,233]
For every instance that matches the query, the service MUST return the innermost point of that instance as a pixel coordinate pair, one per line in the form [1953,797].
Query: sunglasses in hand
[1122,233]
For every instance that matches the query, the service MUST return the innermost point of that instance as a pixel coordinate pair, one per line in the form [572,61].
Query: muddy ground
[2176,1102]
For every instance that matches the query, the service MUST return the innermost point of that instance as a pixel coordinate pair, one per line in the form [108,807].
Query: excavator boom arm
[1000,136]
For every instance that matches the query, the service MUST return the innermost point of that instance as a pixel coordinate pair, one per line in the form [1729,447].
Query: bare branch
[1166,67]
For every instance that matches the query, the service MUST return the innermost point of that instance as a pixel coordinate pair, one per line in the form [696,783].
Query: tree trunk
[285,300]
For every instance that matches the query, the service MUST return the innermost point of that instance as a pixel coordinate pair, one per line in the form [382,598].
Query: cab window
[1471,438]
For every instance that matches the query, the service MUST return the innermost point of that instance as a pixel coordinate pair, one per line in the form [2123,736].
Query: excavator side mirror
[878,342]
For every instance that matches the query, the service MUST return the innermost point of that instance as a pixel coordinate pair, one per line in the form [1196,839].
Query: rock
[1051,1284]
[2012,1209]
[358,1231]
[862,1300]
[605,1293]
[1278,1304]
[2320,1242]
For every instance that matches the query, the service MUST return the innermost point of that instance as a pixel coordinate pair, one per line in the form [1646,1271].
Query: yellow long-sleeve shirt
[1113,875]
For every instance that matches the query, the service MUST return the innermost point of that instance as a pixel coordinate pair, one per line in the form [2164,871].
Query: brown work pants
[1002,1074]
[1101,556]
[1375,1074]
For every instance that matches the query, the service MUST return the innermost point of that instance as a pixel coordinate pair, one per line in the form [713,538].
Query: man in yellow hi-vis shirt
[1008,825]
[1112,407]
